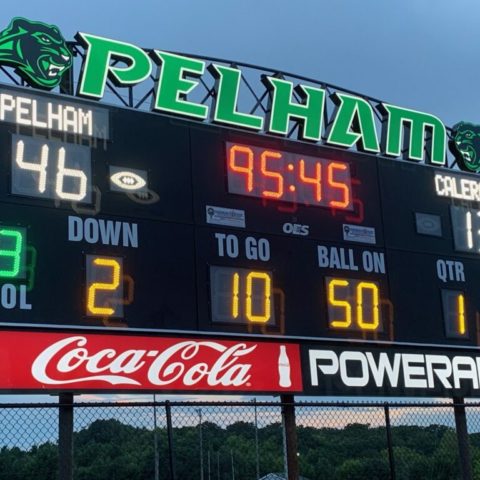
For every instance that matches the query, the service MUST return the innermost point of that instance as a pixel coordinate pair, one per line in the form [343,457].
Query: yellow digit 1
[374,322]
[462,329]
[235,290]
[347,321]
[113,285]
[266,297]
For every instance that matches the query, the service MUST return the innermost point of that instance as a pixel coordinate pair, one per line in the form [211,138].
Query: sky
[418,54]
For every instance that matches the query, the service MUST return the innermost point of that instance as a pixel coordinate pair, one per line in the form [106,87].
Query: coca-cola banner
[103,362]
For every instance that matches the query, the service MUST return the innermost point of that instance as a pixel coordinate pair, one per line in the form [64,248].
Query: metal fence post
[171,455]
[290,436]
[462,438]
[391,459]
[65,436]
[200,440]
[257,455]
[155,440]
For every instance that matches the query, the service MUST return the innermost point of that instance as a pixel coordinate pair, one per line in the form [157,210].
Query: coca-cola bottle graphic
[284,379]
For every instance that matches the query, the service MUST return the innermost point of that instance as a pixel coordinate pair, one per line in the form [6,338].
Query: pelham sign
[352,124]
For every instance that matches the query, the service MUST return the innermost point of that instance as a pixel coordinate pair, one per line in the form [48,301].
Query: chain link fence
[239,441]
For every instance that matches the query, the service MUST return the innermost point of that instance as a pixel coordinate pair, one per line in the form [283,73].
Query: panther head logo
[465,145]
[38,52]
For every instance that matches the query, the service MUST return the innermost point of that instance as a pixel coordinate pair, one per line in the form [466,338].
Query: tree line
[111,450]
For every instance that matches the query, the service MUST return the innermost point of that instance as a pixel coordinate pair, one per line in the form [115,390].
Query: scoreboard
[116,219]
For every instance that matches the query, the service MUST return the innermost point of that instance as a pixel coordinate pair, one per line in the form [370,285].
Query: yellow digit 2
[113,285]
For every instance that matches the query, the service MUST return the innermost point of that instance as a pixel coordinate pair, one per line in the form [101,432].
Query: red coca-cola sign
[83,362]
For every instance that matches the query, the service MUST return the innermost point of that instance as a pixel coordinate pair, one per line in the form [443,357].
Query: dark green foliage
[111,450]
[108,449]
[40,463]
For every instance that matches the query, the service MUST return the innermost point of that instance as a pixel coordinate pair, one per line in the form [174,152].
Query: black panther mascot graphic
[38,52]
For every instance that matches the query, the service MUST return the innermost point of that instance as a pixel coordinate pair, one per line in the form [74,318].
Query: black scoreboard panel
[211,149]
[139,141]
[173,225]
[433,255]
[155,289]
[299,289]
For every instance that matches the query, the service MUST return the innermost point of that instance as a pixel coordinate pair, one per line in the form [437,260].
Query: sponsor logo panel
[385,371]
[61,361]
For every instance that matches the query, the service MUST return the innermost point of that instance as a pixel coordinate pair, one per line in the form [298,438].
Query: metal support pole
[391,459]
[65,436]
[67,81]
[171,456]
[462,438]
[290,436]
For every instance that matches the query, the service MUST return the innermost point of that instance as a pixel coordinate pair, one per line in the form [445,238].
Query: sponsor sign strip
[42,361]
[377,371]
[71,361]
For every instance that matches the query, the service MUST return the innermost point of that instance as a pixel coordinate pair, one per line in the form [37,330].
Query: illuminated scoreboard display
[117,220]
[120,218]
